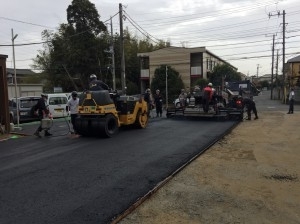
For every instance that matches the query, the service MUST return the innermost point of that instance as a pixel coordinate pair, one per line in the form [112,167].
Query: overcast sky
[238,31]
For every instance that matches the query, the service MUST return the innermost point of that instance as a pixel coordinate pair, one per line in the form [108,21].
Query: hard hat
[148,90]
[44,95]
[93,76]
[209,84]
[74,94]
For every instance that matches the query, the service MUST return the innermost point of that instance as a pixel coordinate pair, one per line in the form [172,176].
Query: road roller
[101,113]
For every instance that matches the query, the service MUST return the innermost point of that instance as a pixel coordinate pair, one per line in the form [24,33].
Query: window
[57,100]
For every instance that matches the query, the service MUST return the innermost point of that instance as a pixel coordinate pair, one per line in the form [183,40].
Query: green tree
[223,71]
[75,49]
[175,83]
[202,83]
[81,47]
[264,83]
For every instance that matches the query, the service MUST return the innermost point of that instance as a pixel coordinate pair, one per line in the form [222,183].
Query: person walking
[42,111]
[158,103]
[291,101]
[250,105]
[73,109]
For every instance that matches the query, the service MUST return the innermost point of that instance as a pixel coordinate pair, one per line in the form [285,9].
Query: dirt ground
[251,176]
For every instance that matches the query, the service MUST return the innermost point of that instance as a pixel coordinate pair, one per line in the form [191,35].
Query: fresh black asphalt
[88,180]
[62,179]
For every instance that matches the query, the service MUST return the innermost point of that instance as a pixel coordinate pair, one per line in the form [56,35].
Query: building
[23,88]
[293,74]
[191,63]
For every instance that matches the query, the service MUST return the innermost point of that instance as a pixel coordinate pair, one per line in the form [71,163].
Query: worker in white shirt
[73,109]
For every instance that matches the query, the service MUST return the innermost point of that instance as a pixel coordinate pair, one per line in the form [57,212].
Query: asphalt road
[62,179]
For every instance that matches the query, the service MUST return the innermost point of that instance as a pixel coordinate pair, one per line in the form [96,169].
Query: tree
[81,47]
[223,71]
[202,83]
[175,83]
[75,49]
[83,16]
[264,83]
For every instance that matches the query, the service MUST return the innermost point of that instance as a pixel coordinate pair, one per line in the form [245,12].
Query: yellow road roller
[101,113]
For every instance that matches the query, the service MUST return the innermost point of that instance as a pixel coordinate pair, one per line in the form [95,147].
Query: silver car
[25,108]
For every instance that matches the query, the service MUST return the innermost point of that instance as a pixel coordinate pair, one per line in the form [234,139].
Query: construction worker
[158,103]
[207,97]
[291,101]
[42,111]
[148,99]
[72,106]
[250,106]
[96,85]
[183,98]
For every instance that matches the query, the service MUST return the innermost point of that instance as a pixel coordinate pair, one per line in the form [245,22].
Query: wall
[25,90]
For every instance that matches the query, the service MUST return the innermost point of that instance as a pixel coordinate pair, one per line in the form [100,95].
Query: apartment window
[145,63]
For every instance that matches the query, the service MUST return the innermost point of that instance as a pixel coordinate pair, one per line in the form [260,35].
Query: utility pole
[122,50]
[277,73]
[13,37]
[283,50]
[283,47]
[112,54]
[167,87]
[272,69]
[277,65]
[257,69]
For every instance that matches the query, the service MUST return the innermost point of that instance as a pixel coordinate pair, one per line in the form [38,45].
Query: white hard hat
[93,76]
[209,84]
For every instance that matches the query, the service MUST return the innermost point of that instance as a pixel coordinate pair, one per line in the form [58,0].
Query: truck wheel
[141,120]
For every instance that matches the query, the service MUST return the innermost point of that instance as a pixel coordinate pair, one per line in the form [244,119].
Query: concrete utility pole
[123,79]
[277,65]
[283,50]
[167,87]
[257,69]
[13,37]
[112,54]
[283,47]
[272,69]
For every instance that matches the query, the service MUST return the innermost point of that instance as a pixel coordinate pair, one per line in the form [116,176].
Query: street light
[13,37]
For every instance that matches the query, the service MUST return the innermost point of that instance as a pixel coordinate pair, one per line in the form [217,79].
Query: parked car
[57,103]
[25,105]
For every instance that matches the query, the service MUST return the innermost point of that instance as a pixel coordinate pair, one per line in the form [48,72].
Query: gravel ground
[251,176]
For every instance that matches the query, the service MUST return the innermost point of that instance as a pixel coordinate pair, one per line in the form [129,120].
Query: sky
[238,31]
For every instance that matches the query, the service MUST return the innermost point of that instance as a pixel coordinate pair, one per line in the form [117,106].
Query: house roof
[20,71]
[295,59]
